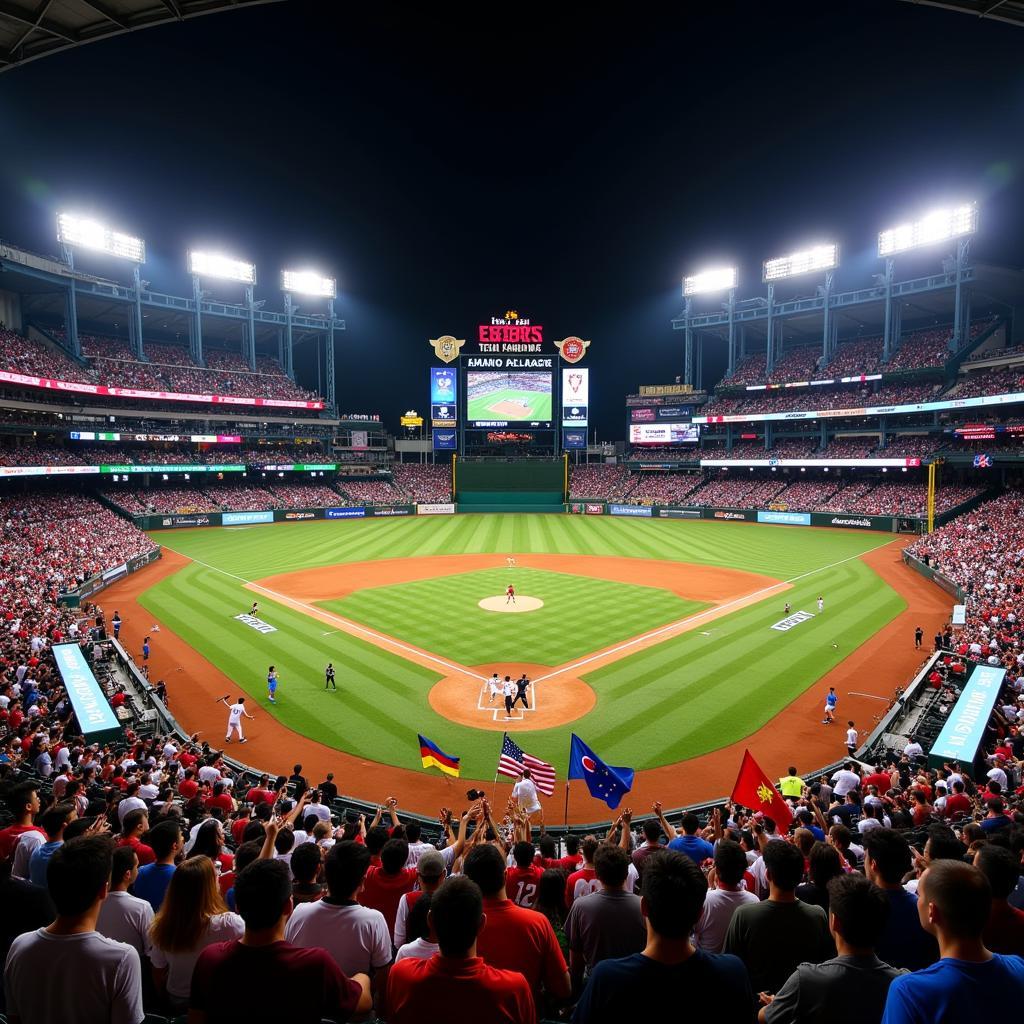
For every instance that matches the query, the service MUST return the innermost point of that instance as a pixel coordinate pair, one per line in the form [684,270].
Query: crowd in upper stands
[224,497]
[423,482]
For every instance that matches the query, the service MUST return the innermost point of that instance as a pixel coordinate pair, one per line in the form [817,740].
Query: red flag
[754,789]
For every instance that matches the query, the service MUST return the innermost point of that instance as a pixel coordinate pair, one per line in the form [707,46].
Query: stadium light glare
[937,226]
[308,282]
[77,232]
[213,264]
[717,279]
[806,261]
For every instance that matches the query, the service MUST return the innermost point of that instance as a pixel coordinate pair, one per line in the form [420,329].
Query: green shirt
[791,785]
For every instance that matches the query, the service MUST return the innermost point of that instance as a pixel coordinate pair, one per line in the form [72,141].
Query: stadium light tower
[823,258]
[77,232]
[313,283]
[941,225]
[225,268]
[715,279]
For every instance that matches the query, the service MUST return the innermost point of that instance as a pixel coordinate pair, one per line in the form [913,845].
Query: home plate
[502,604]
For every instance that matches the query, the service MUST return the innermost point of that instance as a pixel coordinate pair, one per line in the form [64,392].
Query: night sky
[569,165]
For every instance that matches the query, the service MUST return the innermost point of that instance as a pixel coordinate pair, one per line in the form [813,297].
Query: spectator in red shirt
[260,793]
[957,802]
[384,886]
[1004,932]
[188,787]
[220,798]
[584,881]
[547,859]
[457,976]
[134,826]
[285,982]
[522,880]
[23,803]
[514,938]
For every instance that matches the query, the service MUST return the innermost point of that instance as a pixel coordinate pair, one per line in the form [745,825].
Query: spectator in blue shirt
[969,982]
[697,849]
[53,823]
[151,883]
[672,896]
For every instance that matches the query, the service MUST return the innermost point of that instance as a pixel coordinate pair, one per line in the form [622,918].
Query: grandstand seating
[426,483]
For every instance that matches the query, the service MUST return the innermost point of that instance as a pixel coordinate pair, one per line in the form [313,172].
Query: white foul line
[716,611]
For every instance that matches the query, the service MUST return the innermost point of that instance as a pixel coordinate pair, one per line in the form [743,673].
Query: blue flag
[604,781]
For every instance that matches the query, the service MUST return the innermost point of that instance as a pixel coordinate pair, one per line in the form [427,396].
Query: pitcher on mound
[510,595]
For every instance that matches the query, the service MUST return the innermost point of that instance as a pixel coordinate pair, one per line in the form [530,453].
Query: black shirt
[299,783]
[328,792]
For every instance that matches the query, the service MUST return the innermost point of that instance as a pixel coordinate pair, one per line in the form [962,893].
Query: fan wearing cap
[430,873]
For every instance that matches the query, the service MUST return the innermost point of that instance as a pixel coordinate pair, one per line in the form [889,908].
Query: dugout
[510,485]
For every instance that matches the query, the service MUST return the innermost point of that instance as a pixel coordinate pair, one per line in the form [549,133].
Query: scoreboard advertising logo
[443,396]
[575,396]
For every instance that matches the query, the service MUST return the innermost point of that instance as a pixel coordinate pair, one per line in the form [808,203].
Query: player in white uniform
[821,604]
[525,791]
[235,713]
[494,688]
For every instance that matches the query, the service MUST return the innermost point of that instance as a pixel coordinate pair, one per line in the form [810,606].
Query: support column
[700,362]
[197,322]
[71,309]
[289,312]
[769,357]
[137,312]
[688,349]
[331,395]
[731,369]
[250,353]
[959,331]
[826,331]
[743,343]
[887,338]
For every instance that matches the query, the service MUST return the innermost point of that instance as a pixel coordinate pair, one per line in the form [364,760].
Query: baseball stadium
[780,601]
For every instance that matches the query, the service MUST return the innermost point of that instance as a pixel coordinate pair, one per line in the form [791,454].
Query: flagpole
[566,804]
[494,787]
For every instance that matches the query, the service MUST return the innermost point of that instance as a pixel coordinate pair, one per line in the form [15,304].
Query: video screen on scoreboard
[495,399]
[664,433]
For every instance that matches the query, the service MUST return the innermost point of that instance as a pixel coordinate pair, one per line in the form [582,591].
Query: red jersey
[581,883]
[223,802]
[956,803]
[238,827]
[382,891]
[258,796]
[521,885]
[515,939]
[566,864]
[417,988]
[879,779]
[511,590]
[142,851]
[188,788]
[9,839]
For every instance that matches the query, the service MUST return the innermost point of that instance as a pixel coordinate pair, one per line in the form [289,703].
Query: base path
[886,661]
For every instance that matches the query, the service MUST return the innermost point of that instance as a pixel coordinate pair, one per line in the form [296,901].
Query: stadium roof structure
[1010,11]
[30,29]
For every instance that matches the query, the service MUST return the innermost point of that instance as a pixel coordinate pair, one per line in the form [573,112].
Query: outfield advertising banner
[445,440]
[294,515]
[386,511]
[593,508]
[241,518]
[679,513]
[210,519]
[95,717]
[575,439]
[737,515]
[443,389]
[640,511]
[351,512]
[435,510]
[784,518]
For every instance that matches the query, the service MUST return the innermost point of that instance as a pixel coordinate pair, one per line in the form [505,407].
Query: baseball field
[660,642]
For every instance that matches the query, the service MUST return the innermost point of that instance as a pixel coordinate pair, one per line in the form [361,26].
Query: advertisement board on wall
[730,515]
[190,520]
[784,518]
[444,386]
[639,511]
[575,396]
[663,433]
[445,440]
[574,438]
[351,512]
[594,509]
[679,513]
[96,718]
[241,518]
[643,415]
[435,510]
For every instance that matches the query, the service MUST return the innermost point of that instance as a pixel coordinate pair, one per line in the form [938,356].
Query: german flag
[434,757]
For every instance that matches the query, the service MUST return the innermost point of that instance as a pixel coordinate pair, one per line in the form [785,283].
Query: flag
[513,759]
[434,757]
[604,781]
[754,789]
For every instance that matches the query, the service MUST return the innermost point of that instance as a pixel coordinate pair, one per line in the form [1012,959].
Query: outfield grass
[684,697]
[580,615]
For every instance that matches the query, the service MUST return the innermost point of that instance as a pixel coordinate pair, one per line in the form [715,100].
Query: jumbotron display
[496,398]
[663,433]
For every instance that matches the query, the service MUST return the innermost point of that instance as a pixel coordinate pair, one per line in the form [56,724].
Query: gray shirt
[606,925]
[846,990]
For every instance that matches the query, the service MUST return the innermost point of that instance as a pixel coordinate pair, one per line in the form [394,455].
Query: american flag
[513,760]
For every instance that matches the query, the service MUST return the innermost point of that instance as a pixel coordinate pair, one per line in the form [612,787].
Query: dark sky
[571,165]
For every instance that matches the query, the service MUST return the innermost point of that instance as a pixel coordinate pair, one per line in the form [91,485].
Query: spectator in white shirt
[322,811]
[68,972]
[913,749]
[421,944]
[124,917]
[729,892]
[845,780]
[430,873]
[131,802]
[355,937]
[416,847]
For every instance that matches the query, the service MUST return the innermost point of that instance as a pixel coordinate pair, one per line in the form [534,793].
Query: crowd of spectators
[423,481]
[381,492]
[35,359]
[856,358]
[224,497]
[800,363]
[988,382]
[598,480]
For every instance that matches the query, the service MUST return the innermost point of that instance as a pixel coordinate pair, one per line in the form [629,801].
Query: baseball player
[510,595]
[821,604]
[254,609]
[510,562]
[509,689]
[494,688]
[787,609]
[831,699]
[521,684]
[272,684]
[235,713]
[329,683]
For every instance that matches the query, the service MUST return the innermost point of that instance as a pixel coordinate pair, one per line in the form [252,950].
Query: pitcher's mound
[501,604]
